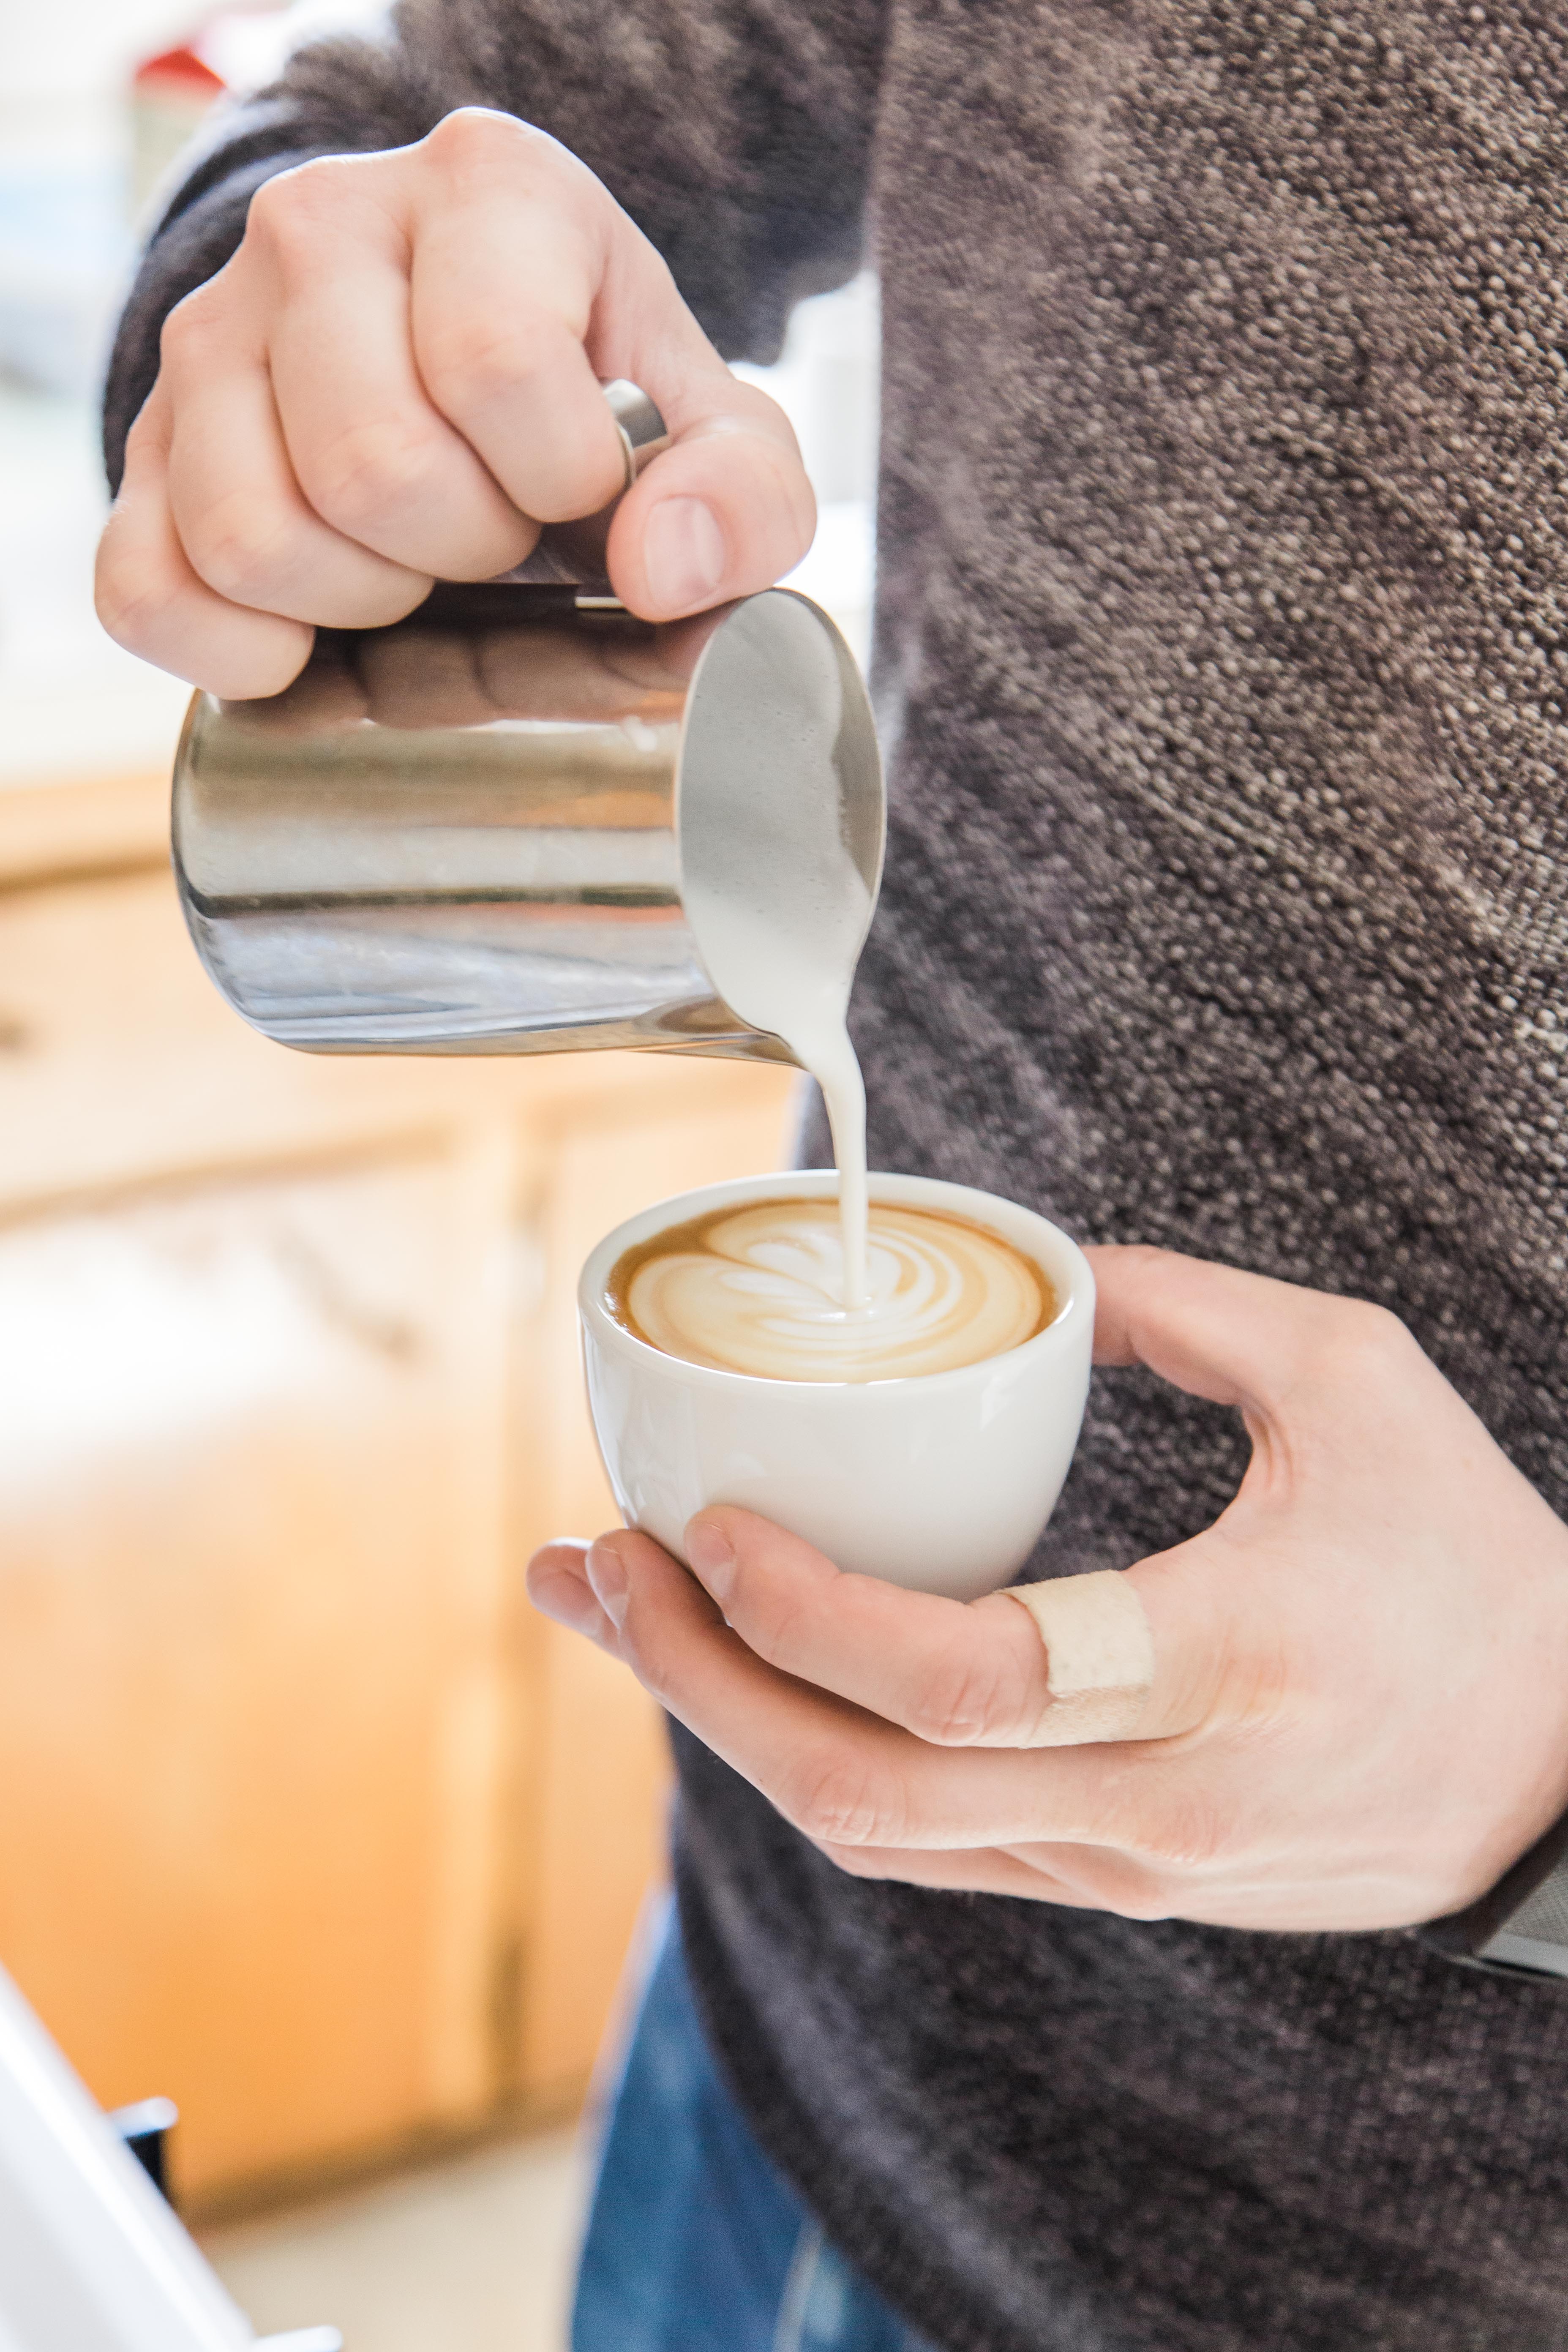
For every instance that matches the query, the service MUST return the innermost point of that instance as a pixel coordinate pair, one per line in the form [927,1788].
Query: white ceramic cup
[941,1482]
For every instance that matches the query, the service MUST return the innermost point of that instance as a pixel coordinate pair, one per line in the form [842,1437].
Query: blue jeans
[695,2243]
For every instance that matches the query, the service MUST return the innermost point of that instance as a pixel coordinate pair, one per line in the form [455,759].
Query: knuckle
[840,1800]
[145,440]
[771,1626]
[287,212]
[130,598]
[372,469]
[480,358]
[966,1699]
[275,210]
[792,491]
[1381,1332]
[637,1645]
[188,331]
[1361,1343]
[1190,1835]
[239,545]
[465,128]
[479,139]
[1118,1881]
[475,150]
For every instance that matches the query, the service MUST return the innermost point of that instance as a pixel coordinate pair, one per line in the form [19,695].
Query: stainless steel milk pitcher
[494,826]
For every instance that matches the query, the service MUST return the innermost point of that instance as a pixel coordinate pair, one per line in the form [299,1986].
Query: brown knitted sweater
[1221,649]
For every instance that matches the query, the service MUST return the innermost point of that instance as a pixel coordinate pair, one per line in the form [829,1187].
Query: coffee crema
[759,1289]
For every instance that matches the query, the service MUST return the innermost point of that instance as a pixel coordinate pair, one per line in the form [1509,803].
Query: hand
[394,380]
[1359,1714]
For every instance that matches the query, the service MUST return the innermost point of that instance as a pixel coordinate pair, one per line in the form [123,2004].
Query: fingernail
[683,551]
[712,1557]
[607,1575]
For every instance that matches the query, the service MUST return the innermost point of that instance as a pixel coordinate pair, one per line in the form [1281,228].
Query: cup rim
[1051,1249]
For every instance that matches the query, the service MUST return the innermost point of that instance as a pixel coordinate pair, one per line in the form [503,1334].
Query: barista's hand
[394,381]
[1358,1717]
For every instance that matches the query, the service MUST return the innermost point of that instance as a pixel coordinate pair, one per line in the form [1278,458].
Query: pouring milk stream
[798,986]
[777,897]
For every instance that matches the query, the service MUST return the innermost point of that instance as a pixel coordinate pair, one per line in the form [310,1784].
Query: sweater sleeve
[737,133]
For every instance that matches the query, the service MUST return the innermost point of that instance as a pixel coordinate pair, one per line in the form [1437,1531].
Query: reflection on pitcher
[483,829]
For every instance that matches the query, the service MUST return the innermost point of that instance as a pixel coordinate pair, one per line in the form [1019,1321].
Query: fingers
[527,286]
[955,1675]
[1141,1655]
[985,1870]
[1079,1878]
[395,380]
[1147,1833]
[558,1586]
[841,1776]
[328,249]
[502,285]
[244,524]
[152,601]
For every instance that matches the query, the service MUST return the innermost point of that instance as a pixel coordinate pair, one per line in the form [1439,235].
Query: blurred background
[305,1821]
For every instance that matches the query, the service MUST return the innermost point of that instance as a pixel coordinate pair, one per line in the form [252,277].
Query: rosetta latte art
[760,1290]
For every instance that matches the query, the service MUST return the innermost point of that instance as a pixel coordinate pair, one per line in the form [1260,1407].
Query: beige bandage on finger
[1099,1656]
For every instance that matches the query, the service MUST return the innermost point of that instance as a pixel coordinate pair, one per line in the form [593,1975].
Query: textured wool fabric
[1220,663]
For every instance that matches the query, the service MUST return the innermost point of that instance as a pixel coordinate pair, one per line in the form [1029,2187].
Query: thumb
[727,507]
[1236,1339]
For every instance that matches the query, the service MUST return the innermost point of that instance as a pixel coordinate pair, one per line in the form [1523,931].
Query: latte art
[760,1290]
